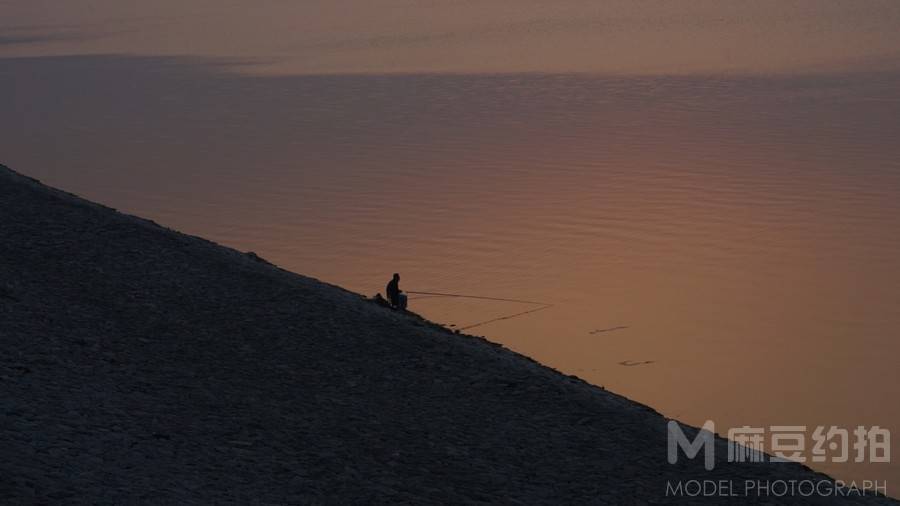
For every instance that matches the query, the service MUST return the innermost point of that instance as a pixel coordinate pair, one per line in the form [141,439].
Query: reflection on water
[722,248]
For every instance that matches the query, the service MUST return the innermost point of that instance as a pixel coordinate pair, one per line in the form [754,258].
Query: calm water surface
[715,223]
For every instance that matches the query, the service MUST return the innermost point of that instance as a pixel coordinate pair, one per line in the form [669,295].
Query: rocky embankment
[141,365]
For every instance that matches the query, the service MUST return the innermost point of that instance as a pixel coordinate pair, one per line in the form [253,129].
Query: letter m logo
[705,440]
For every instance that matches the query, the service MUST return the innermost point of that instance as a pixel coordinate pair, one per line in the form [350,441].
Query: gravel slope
[141,365]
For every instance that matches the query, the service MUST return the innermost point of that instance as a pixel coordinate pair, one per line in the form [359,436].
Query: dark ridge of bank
[141,365]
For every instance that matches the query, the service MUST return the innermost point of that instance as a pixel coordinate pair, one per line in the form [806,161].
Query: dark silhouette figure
[394,295]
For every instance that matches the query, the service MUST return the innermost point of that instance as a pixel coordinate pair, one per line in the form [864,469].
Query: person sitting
[396,297]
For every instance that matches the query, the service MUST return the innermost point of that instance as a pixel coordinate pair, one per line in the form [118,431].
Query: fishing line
[439,294]
[543,305]
[507,317]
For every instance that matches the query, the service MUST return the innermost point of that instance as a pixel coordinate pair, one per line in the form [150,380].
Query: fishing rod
[543,305]
[439,294]
[507,317]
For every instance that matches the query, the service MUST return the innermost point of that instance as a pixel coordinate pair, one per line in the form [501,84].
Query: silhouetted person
[394,295]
